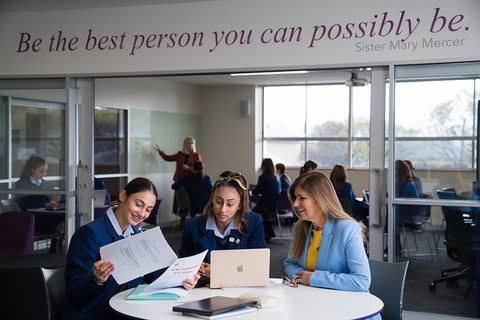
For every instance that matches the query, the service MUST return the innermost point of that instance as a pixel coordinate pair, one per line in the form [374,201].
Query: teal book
[154,296]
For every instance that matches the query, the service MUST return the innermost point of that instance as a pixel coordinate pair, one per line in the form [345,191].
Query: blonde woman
[328,245]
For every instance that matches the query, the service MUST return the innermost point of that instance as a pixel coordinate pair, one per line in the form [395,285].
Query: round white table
[303,302]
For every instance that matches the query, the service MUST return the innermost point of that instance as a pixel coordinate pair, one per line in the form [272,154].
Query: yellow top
[312,252]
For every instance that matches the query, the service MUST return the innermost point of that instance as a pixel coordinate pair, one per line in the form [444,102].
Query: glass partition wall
[434,123]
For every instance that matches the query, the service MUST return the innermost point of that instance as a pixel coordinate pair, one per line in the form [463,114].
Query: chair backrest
[24,294]
[347,206]
[460,227]
[98,212]
[183,202]
[153,217]
[283,202]
[55,280]
[10,205]
[17,231]
[447,194]
[388,281]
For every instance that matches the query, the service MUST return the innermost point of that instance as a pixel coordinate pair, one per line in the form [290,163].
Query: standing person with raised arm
[184,164]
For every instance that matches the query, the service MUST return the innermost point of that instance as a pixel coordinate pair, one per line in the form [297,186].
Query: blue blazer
[32,200]
[84,298]
[268,187]
[196,238]
[199,196]
[341,262]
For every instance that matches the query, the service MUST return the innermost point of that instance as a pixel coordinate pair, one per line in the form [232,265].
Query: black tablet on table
[213,306]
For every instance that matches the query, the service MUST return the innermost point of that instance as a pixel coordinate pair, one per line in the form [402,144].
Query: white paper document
[138,255]
[180,270]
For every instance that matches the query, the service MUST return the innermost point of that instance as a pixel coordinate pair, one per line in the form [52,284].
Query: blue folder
[155,296]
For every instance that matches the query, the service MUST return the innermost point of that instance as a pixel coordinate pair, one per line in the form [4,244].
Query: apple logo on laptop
[240,268]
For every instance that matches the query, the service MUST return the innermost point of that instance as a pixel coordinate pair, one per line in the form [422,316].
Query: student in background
[285,180]
[32,178]
[308,166]
[89,280]
[343,189]
[226,222]
[268,188]
[199,188]
[184,164]
[328,246]
[416,180]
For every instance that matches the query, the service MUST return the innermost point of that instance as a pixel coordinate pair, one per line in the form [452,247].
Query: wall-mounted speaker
[244,108]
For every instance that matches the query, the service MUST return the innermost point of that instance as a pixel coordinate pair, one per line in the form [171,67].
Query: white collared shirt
[111,216]
[35,183]
[212,225]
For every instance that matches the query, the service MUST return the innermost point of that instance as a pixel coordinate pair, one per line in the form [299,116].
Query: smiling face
[134,208]
[226,203]
[39,172]
[308,208]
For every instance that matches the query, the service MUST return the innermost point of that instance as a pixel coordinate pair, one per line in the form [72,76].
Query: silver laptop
[239,268]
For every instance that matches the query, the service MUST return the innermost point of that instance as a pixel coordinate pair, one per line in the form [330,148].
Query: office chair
[388,282]
[284,209]
[10,205]
[98,212]
[183,204]
[461,243]
[414,219]
[17,231]
[55,281]
[445,194]
[347,206]
[25,294]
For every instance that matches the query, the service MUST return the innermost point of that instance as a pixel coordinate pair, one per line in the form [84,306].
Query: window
[328,124]
[436,123]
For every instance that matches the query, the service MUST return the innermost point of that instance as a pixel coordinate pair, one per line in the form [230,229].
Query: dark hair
[308,166]
[402,171]
[267,167]
[338,176]
[281,167]
[237,181]
[32,163]
[137,185]
[197,177]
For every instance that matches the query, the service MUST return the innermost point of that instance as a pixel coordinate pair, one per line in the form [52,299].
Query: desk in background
[303,302]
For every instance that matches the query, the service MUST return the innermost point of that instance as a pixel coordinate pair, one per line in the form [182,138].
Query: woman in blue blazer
[225,223]
[328,245]
[89,284]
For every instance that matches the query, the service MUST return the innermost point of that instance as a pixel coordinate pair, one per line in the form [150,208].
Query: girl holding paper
[226,222]
[89,280]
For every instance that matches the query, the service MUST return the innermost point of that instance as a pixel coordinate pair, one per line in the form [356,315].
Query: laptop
[213,306]
[99,198]
[239,268]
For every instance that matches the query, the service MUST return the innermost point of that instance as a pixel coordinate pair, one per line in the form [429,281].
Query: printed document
[180,270]
[138,255]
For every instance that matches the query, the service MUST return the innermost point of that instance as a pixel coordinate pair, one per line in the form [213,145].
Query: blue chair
[388,282]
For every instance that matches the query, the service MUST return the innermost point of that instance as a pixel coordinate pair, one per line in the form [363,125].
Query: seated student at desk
[32,178]
[328,245]
[89,284]
[225,223]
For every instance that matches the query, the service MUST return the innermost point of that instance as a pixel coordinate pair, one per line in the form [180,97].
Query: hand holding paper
[138,255]
[181,269]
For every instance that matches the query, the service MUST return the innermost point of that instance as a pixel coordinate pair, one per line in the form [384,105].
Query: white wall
[228,139]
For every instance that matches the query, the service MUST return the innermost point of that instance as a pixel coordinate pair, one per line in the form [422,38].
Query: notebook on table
[239,268]
[214,306]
